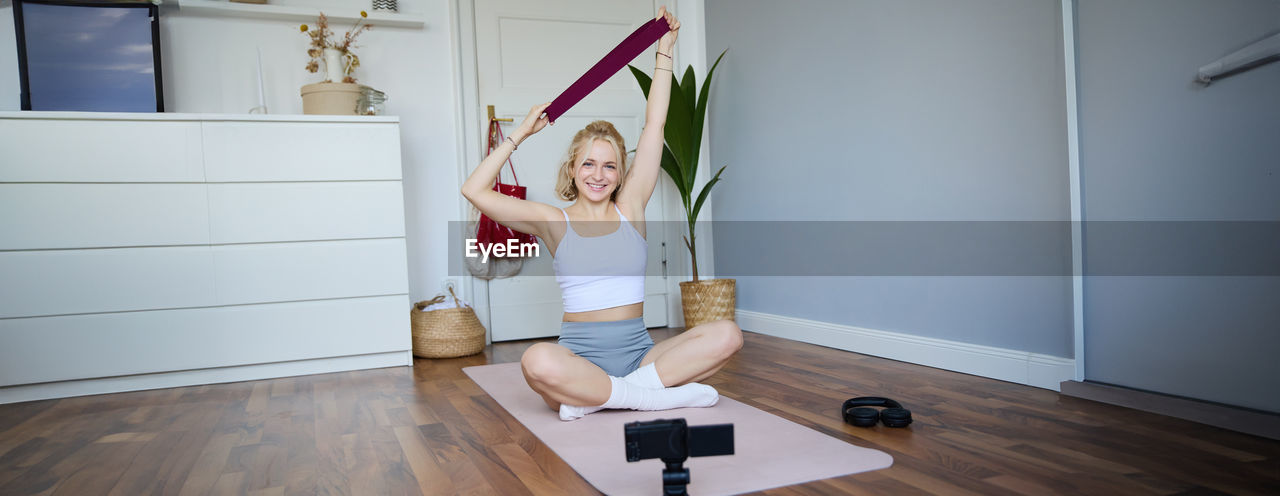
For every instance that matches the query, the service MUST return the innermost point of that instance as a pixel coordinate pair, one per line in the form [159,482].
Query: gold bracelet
[664,55]
[514,147]
[663,69]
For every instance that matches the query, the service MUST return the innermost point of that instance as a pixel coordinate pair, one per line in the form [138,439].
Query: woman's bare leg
[695,354]
[563,377]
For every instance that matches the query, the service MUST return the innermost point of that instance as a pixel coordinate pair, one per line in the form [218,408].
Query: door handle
[492,118]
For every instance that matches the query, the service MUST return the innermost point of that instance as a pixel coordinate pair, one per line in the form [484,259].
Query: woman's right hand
[534,122]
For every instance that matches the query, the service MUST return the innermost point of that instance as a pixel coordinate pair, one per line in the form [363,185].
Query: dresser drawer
[35,216]
[262,212]
[45,349]
[117,151]
[301,151]
[272,272]
[58,282]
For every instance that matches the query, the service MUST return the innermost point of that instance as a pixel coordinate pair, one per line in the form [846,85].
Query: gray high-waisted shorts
[616,346]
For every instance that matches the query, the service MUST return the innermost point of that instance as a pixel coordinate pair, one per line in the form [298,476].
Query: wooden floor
[431,430]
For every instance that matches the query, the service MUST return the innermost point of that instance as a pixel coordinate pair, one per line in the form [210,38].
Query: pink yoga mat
[770,451]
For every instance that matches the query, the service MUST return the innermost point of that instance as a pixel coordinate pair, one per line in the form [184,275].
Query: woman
[605,357]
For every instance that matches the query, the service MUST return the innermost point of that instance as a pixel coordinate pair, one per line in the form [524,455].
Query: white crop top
[601,271]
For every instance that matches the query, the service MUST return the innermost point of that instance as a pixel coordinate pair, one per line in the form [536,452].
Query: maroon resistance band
[644,36]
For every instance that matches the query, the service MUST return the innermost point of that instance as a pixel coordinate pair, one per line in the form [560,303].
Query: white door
[527,52]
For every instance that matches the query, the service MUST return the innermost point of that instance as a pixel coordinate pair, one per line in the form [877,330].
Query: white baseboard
[83,387]
[1021,367]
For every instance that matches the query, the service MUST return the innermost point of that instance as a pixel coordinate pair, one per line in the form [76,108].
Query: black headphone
[893,415]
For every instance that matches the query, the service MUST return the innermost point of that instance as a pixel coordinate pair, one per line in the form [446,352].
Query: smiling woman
[605,358]
[101,57]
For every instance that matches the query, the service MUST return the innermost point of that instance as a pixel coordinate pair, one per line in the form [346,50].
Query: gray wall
[910,110]
[1156,147]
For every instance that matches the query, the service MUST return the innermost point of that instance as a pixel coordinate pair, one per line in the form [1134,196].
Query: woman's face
[597,175]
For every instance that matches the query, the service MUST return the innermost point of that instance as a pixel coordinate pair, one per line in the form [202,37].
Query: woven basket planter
[708,300]
[445,333]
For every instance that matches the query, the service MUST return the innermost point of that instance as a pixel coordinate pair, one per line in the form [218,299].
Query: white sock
[633,397]
[634,393]
[639,377]
[570,412]
[645,377]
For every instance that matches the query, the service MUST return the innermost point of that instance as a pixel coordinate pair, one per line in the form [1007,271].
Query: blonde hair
[580,147]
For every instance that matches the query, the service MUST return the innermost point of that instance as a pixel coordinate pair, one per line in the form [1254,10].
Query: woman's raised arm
[522,215]
[643,176]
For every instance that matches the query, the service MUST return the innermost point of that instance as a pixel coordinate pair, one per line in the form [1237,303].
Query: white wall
[863,117]
[209,65]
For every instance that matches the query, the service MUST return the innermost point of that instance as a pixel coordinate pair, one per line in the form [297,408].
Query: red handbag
[488,231]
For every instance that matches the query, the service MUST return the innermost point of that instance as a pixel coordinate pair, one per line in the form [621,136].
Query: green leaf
[679,127]
[702,197]
[689,88]
[672,168]
[642,79]
[701,108]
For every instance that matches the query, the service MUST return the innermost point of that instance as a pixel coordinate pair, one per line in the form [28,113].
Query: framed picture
[89,56]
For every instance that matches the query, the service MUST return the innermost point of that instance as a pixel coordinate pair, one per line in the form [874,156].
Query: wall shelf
[223,8]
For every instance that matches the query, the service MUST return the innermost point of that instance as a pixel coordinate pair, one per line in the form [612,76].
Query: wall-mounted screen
[89,56]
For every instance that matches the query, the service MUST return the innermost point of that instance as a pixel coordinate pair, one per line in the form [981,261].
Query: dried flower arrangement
[321,39]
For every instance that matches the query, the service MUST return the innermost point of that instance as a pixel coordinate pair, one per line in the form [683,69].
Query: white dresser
[140,251]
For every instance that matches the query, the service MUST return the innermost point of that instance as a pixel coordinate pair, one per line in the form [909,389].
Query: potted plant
[338,93]
[704,300]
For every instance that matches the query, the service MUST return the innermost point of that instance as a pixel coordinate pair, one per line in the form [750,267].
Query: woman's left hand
[669,39]
[534,122]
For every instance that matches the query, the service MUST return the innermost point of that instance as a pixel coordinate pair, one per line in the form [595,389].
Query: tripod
[675,478]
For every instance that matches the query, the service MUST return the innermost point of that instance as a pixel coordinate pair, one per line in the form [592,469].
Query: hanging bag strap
[495,140]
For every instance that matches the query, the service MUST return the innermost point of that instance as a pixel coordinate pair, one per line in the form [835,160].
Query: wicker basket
[708,300]
[445,333]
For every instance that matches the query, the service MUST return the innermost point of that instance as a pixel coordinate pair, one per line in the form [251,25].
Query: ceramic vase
[336,65]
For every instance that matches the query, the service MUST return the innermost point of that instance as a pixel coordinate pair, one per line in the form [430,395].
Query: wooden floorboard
[430,430]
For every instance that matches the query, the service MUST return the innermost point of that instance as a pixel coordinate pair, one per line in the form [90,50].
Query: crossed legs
[562,377]
[696,354]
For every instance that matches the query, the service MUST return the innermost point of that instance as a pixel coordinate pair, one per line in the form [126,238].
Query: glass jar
[371,101]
